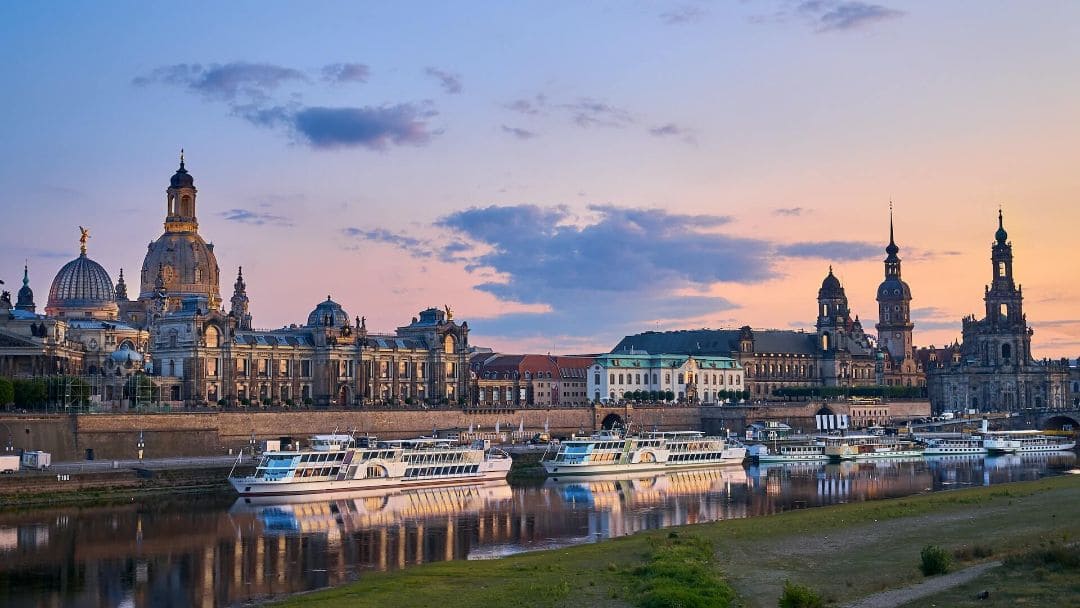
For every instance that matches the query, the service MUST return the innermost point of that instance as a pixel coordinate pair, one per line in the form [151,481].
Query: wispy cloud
[519,132]
[830,250]
[835,15]
[529,106]
[673,130]
[682,15]
[346,72]
[790,211]
[449,81]
[576,266]
[254,217]
[224,81]
[589,112]
[246,88]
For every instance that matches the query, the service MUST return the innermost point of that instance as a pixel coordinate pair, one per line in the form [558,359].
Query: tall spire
[26,295]
[182,159]
[1001,235]
[891,249]
[240,303]
[121,288]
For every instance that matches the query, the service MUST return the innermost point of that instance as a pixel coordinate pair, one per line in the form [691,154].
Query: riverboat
[1010,442]
[336,462]
[611,452]
[862,447]
[953,446]
[791,452]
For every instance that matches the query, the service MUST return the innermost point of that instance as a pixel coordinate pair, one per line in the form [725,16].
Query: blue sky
[561,173]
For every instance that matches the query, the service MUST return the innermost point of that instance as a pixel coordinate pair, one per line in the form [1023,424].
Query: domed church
[199,354]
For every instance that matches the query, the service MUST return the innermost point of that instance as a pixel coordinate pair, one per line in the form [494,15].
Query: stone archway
[343,396]
[1061,423]
[611,421]
[825,411]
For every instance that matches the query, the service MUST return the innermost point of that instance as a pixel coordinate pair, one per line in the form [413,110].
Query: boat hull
[562,470]
[247,486]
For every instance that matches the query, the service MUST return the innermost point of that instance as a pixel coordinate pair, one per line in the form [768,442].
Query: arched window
[213,337]
[1001,269]
[1006,352]
[825,341]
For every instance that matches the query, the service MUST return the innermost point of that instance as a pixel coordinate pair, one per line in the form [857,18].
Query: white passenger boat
[790,452]
[334,463]
[1010,442]
[953,446]
[862,447]
[610,452]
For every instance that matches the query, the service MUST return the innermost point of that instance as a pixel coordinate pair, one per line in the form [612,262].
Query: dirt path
[899,597]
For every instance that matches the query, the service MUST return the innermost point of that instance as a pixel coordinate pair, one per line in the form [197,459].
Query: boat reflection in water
[798,485]
[214,550]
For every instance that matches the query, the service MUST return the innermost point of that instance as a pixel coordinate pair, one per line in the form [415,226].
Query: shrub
[934,560]
[800,596]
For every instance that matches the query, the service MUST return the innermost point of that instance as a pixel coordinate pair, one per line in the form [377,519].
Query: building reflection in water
[217,551]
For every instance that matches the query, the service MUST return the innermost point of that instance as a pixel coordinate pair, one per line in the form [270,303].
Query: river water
[216,550]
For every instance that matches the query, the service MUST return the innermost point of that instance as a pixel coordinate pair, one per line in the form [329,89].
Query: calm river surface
[220,551]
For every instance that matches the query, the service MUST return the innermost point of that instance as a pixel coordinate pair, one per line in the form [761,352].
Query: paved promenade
[194,462]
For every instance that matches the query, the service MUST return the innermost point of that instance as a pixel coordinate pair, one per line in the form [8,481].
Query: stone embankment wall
[114,436]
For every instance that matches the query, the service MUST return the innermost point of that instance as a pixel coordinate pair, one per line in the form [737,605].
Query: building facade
[992,368]
[196,353]
[680,378]
[512,381]
[838,353]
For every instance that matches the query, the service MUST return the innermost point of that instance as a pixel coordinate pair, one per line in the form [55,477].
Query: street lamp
[141,445]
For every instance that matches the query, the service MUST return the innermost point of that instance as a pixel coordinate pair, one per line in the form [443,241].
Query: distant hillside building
[993,369]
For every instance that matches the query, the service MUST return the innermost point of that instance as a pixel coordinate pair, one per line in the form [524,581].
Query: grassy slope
[846,552]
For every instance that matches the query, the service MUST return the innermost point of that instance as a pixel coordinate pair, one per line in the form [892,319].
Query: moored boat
[862,447]
[611,452]
[791,452]
[1011,442]
[335,463]
[952,446]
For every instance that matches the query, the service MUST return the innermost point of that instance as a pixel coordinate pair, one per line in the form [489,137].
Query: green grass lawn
[844,552]
[1047,576]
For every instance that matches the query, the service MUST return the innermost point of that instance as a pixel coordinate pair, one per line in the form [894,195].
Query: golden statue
[449,312]
[82,239]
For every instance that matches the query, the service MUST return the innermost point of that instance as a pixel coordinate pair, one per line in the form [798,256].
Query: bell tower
[1005,305]
[894,325]
[240,302]
[180,201]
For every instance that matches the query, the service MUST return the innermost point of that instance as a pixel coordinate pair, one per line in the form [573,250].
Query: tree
[7,392]
[669,396]
[29,393]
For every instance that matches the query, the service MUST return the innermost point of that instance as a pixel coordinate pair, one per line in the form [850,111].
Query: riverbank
[844,553]
[58,488]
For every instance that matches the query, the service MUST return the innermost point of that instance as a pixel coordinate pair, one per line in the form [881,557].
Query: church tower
[180,258]
[834,317]
[1005,320]
[894,325]
[240,302]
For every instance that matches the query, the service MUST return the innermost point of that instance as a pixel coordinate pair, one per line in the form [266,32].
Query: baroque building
[838,353]
[199,354]
[509,381]
[689,379]
[992,368]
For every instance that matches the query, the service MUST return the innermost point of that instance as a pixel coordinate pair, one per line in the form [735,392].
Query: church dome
[893,288]
[187,264]
[830,287]
[82,288]
[328,310]
[182,179]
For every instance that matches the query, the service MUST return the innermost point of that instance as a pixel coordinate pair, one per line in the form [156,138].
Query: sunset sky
[559,173]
